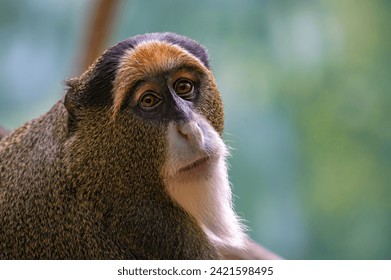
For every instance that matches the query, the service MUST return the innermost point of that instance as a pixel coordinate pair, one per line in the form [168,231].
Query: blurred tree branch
[101,21]
[254,251]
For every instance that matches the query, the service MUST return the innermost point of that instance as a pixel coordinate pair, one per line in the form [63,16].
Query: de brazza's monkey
[129,164]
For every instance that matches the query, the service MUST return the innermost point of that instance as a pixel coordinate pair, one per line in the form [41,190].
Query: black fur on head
[94,87]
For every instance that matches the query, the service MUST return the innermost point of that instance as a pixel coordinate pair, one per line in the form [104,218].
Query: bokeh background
[306,86]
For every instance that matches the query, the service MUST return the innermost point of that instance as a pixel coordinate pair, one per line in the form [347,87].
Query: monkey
[128,164]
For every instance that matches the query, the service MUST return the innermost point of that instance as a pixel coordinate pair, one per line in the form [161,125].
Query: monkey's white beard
[207,197]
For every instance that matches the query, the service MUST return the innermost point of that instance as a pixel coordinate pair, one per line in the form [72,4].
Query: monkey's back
[39,218]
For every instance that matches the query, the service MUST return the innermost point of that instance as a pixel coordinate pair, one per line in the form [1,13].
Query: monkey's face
[165,85]
[159,90]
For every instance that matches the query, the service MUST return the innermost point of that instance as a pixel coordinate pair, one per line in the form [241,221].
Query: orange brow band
[148,59]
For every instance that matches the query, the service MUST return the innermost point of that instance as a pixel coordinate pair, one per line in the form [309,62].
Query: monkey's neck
[209,201]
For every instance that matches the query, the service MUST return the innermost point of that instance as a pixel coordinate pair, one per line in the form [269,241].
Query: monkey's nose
[191,132]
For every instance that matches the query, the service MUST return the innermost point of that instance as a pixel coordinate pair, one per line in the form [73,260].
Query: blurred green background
[306,86]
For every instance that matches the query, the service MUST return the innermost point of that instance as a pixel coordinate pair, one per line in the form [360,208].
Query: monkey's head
[148,110]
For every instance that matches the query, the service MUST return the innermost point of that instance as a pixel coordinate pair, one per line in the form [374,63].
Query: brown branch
[253,251]
[100,25]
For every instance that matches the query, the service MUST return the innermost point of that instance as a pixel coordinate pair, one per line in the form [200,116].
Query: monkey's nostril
[191,132]
[182,133]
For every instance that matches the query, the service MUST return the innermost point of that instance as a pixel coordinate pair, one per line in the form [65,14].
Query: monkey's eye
[149,100]
[184,88]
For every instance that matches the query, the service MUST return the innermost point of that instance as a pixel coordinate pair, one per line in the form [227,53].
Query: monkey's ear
[71,103]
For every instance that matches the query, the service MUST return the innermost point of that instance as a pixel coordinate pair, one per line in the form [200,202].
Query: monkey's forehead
[154,57]
[147,59]
[188,44]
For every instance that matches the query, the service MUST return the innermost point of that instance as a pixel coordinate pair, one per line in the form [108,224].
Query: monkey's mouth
[195,164]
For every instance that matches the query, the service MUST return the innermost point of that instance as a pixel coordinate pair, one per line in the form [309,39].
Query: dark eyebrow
[131,93]
[189,68]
